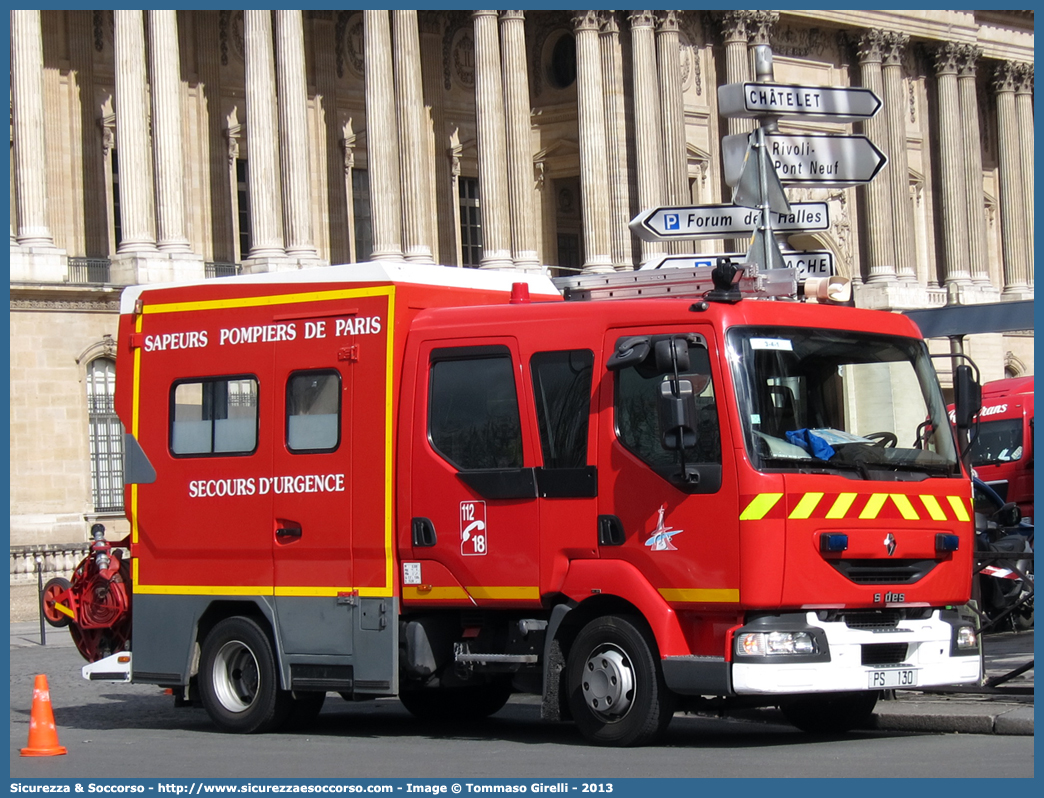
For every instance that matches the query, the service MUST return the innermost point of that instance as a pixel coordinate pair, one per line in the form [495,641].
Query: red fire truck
[450,485]
[1002,443]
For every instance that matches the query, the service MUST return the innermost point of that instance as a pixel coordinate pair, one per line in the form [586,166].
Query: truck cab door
[474,510]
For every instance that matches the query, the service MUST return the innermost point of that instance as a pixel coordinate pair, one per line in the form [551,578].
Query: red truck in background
[450,485]
[1002,441]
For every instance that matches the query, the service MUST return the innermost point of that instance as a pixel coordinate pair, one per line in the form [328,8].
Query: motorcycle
[1003,561]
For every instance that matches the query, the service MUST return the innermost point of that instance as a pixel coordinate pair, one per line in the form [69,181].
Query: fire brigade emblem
[661,536]
[889,543]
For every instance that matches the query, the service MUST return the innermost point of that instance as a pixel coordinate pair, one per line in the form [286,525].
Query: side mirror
[967,396]
[677,414]
[670,350]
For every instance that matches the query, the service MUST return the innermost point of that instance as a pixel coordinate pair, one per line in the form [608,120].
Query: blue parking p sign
[671,221]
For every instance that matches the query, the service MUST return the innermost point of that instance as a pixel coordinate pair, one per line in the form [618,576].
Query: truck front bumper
[912,653]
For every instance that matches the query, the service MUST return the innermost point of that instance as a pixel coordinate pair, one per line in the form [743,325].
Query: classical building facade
[152,146]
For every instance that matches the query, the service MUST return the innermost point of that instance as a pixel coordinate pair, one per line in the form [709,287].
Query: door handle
[288,532]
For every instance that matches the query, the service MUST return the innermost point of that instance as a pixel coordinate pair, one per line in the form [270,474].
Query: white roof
[381,272]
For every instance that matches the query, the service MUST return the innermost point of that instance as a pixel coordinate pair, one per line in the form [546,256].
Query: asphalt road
[134,731]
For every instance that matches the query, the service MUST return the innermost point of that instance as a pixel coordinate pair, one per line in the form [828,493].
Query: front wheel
[830,713]
[616,690]
[238,680]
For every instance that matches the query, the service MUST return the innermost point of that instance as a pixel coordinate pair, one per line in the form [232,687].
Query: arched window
[106,437]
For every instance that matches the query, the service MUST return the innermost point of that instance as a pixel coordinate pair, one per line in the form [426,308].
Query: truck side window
[313,411]
[473,419]
[638,419]
[562,392]
[214,416]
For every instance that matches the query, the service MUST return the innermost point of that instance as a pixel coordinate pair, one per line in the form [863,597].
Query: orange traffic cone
[43,736]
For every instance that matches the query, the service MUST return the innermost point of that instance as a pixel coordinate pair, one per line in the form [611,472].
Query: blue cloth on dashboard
[811,443]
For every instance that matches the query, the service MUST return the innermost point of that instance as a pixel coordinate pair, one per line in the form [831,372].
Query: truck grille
[884,572]
[884,653]
[872,619]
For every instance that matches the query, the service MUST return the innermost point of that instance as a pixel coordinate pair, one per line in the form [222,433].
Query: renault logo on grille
[889,543]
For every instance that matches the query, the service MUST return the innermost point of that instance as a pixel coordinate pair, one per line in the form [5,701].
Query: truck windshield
[835,401]
[997,441]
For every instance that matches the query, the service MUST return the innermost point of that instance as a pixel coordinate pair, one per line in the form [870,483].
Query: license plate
[893,677]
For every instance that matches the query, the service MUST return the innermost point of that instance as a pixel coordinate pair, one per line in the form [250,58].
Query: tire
[830,713]
[51,592]
[457,703]
[616,691]
[238,680]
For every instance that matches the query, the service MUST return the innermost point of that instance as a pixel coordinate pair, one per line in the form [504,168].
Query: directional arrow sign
[724,221]
[810,159]
[805,264]
[829,103]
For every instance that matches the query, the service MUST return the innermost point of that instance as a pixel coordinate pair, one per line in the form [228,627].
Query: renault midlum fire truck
[449,485]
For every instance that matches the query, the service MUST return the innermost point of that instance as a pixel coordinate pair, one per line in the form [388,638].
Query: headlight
[762,644]
[966,637]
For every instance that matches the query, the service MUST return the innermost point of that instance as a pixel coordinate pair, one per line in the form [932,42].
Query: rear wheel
[617,695]
[474,702]
[238,680]
[53,592]
[830,713]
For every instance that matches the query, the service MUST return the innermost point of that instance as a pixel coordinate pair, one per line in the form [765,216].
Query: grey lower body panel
[320,644]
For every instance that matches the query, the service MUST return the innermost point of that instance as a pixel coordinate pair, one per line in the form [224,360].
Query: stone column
[132,134]
[263,183]
[27,118]
[974,198]
[954,209]
[489,120]
[617,142]
[672,110]
[416,205]
[293,135]
[519,143]
[880,244]
[594,185]
[895,105]
[1024,114]
[165,65]
[647,140]
[443,200]
[735,30]
[382,140]
[1012,206]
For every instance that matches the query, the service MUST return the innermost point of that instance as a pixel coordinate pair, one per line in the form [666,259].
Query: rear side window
[212,416]
[313,411]
[473,419]
[562,393]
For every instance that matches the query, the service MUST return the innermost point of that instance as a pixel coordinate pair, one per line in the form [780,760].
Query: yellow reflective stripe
[759,506]
[841,505]
[931,504]
[957,503]
[873,506]
[64,610]
[434,593]
[807,505]
[706,595]
[508,592]
[906,509]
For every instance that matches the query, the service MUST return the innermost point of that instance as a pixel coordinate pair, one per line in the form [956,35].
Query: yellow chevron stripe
[759,506]
[434,593]
[807,505]
[931,504]
[957,503]
[906,509]
[873,506]
[509,592]
[841,505]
